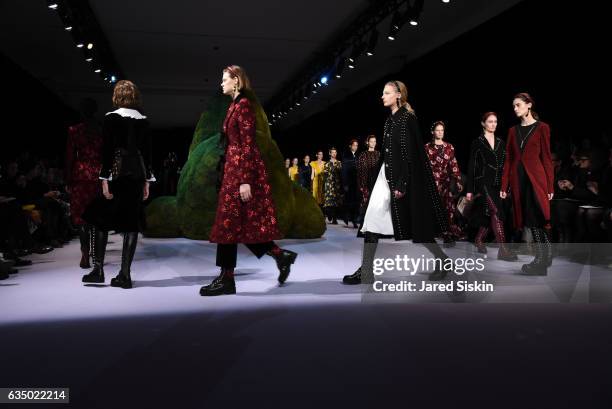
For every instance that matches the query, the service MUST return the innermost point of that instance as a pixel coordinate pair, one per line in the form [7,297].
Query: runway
[311,342]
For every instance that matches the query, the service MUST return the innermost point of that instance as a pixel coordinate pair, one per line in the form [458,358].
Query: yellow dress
[293,174]
[318,183]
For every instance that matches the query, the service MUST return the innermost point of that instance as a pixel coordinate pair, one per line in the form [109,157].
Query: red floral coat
[237,221]
[538,166]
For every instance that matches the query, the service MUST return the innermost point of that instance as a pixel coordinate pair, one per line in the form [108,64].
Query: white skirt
[378,214]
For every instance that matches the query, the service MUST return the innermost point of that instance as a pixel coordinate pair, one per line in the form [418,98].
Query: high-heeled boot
[284,258]
[438,274]
[365,273]
[84,238]
[97,240]
[538,267]
[124,278]
[224,284]
[479,240]
[504,253]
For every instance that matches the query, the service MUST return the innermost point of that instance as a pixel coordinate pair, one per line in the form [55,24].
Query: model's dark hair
[126,95]
[333,148]
[436,124]
[236,71]
[370,137]
[353,141]
[486,116]
[526,98]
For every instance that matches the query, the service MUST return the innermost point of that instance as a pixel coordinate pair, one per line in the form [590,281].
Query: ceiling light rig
[361,37]
[79,20]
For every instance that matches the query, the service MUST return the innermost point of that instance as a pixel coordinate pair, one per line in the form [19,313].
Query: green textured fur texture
[192,212]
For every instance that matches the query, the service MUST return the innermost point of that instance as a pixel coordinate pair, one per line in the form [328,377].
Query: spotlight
[446,1]
[69,28]
[323,80]
[97,70]
[80,45]
[89,59]
[372,43]
[357,50]
[396,24]
[414,23]
[89,46]
[340,67]
[53,6]
[414,12]
[113,78]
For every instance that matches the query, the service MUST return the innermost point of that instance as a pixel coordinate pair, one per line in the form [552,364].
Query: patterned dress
[366,174]
[83,164]
[333,184]
[318,182]
[445,167]
[236,221]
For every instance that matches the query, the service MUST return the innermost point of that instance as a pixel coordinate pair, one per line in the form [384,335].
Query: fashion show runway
[313,341]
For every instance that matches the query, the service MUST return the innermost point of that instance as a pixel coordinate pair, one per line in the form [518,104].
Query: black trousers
[228,253]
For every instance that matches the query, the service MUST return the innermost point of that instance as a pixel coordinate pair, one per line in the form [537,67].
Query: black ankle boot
[352,279]
[283,261]
[539,265]
[124,279]
[84,238]
[98,240]
[224,284]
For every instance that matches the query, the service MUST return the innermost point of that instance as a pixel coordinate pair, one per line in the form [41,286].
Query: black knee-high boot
[539,265]
[124,278]
[439,274]
[84,238]
[97,240]
[365,273]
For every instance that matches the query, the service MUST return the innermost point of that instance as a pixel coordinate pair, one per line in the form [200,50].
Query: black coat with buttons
[419,214]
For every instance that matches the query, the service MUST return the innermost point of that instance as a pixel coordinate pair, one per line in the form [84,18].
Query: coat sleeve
[546,159]
[507,172]
[453,165]
[107,147]
[413,137]
[147,154]
[248,144]
[471,182]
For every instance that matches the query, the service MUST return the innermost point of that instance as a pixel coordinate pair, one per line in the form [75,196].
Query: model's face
[319,155]
[295,161]
[520,107]
[333,153]
[307,159]
[228,83]
[490,125]
[287,162]
[584,162]
[438,132]
[390,96]
[354,146]
[372,143]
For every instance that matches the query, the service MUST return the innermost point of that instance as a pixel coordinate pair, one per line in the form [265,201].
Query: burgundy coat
[538,166]
[236,221]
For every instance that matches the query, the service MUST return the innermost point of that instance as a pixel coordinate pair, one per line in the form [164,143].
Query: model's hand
[245,192]
[503,195]
[108,195]
[398,195]
[550,196]
[469,197]
[145,191]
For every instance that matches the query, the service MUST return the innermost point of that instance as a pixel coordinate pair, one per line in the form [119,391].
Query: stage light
[396,24]
[324,80]
[357,51]
[340,67]
[89,46]
[97,70]
[69,28]
[414,11]
[80,45]
[89,59]
[113,78]
[445,1]
[53,6]
[372,43]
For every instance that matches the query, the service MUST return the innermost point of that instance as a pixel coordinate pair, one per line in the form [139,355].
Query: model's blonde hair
[403,90]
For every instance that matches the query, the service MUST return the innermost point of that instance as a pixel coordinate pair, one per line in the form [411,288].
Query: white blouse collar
[128,112]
